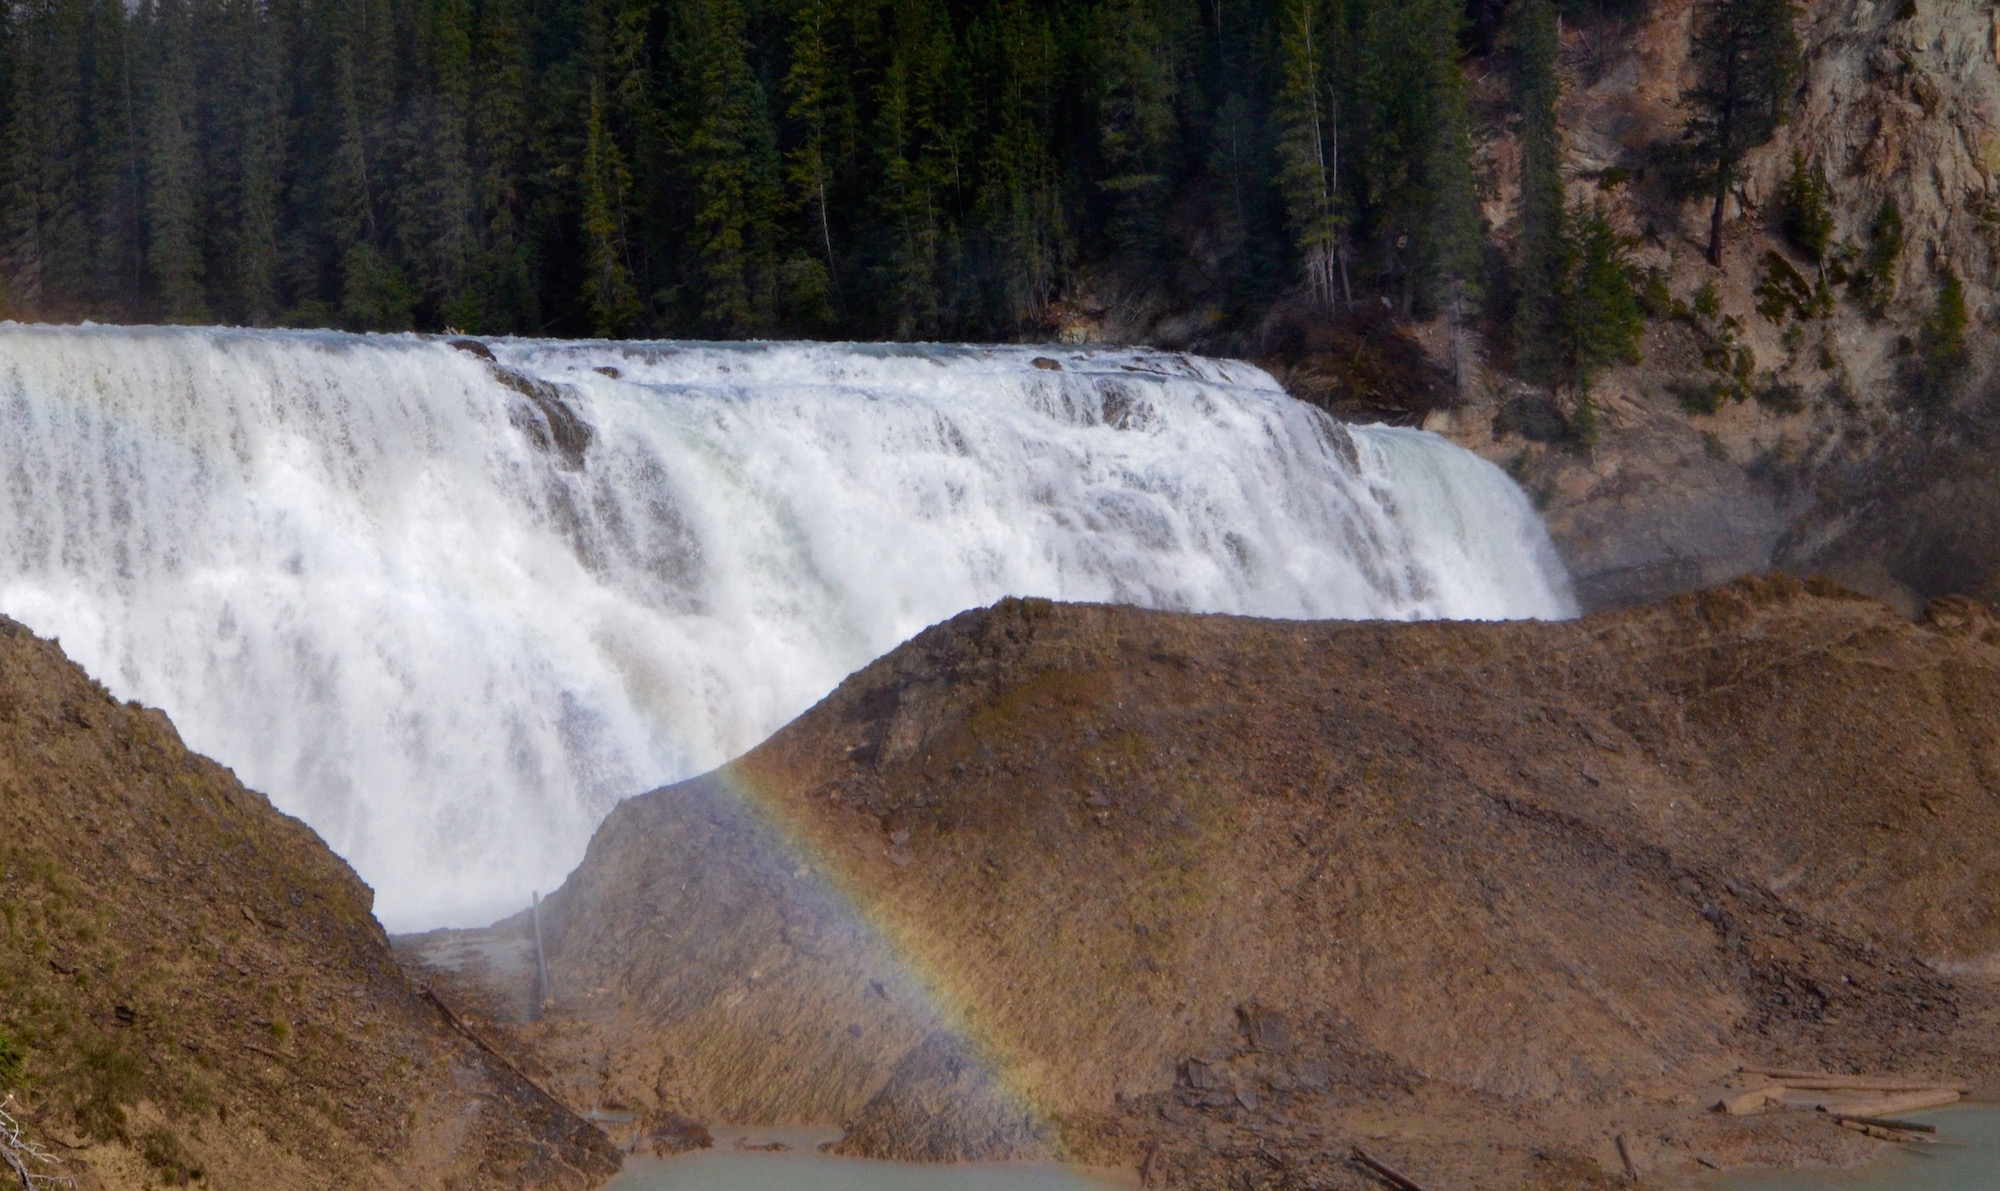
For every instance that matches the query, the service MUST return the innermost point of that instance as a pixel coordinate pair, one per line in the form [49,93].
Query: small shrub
[1783,292]
[1532,416]
[113,1081]
[1654,296]
[1706,302]
[1780,396]
[169,1158]
[1874,277]
[1698,395]
[13,1061]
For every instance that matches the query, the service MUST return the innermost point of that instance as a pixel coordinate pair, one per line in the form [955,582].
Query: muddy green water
[803,1168]
[1970,1162]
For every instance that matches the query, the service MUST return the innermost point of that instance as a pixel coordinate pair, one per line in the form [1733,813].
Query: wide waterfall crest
[448,610]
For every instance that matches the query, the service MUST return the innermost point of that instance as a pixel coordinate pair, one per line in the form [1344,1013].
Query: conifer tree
[613,302]
[731,160]
[1019,209]
[111,176]
[916,153]
[1137,116]
[809,167]
[1746,59]
[173,170]
[1943,355]
[1598,321]
[501,296]
[1309,144]
[47,226]
[436,211]
[1808,208]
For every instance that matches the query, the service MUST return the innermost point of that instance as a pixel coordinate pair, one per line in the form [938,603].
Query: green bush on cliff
[1808,209]
[1873,280]
[1942,355]
[13,1061]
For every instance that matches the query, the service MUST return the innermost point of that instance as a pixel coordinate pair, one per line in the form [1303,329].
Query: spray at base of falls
[448,611]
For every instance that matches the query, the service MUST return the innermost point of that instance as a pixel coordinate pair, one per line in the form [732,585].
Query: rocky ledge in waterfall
[1222,898]
[193,988]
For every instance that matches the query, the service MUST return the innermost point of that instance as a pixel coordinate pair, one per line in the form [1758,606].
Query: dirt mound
[1223,897]
[193,987]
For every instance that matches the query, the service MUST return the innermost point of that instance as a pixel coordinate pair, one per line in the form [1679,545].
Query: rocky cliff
[1826,459]
[1221,897]
[1821,457]
[193,988]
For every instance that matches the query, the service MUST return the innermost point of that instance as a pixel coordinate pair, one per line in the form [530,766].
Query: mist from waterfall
[449,610]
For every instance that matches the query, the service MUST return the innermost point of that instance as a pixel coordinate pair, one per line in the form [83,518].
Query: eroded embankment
[1222,897]
[192,987]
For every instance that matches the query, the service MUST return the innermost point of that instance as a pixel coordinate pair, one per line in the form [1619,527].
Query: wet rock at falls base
[1360,872]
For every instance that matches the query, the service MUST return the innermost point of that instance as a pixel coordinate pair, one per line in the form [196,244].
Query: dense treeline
[869,168]
[728,167]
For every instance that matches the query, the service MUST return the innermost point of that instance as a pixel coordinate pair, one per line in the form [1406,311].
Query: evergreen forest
[728,168]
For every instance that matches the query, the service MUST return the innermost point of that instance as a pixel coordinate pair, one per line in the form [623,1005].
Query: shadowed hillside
[1221,896]
[192,986]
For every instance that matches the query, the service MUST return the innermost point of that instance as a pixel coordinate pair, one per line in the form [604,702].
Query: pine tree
[1454,233]
[501,295]
[261,129]
[917,153]
[1808,208]
[174,170]
[111,175]
[1746,59]
[1309,144]
[613,302]
[730,154]
[47,229]
[436,211]
[1944,356]
[1019,215]
[1599,320]
[1137,116]
[1411,160]
[809,166]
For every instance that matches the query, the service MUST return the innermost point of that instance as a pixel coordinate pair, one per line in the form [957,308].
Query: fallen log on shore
[1822,1081]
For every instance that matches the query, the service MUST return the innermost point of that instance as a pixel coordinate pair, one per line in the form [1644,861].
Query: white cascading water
[449,611]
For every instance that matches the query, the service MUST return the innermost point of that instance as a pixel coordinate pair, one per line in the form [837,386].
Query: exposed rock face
[1218,896]
[194,986]
[1902,108]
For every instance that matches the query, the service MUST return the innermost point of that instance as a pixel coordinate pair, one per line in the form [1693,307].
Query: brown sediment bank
[1222,898]
[192,987]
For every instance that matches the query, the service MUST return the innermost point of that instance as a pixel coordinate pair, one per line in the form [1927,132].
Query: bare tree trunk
[1715,218]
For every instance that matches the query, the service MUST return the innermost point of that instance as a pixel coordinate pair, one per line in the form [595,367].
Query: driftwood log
[1386,1173]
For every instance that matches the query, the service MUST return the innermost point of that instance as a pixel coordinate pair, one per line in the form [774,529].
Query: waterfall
[448,609]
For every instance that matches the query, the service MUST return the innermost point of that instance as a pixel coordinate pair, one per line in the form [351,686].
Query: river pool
[802,1168]
[1968,1161]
